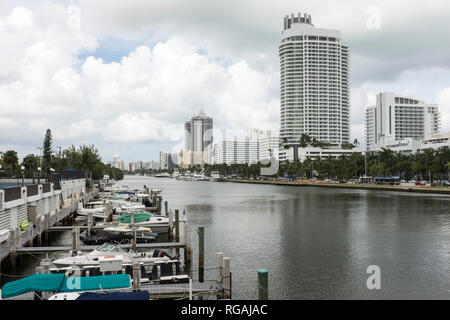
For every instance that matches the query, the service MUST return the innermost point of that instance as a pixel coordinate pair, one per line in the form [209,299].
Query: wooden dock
[154,245]
[19,240]
[21,243]
[181,290]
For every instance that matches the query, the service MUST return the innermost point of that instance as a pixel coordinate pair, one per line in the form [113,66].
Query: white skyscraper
[198,138]
[315,98]
[396,118]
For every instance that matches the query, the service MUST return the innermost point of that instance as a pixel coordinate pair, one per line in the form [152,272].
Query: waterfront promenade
[307,183]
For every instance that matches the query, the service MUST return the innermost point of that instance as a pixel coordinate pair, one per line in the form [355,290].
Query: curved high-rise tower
[315,88]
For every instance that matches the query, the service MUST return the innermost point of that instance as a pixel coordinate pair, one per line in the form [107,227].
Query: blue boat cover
[141,295]
[36,282]
[59,283]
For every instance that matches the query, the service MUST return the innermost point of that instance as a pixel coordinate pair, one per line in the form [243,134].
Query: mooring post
[39,294]
[201,253]
[45,265]
[170,224]
[263,284]
[187,240]
[166,208]
[39,232]
[90,221]
[219,257]
[134,238]
[30,234]
[18,242]
[227,276]
[132,218]
[12,248]
[158,204]
[177,225]
[46,228]
[136,276]
[75,239]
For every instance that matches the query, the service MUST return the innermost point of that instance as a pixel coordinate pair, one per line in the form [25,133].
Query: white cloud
[188,56]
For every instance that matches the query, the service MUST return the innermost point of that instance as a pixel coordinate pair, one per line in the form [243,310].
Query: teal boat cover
[36,282]
[138,217]
[59,283]
[117,281]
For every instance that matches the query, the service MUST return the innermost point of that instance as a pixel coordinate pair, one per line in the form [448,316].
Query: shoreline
[433,190]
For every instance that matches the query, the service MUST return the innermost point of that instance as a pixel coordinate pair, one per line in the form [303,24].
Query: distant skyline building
[396,118]
[198,138]
[253,147]
[315,84]
[117,163]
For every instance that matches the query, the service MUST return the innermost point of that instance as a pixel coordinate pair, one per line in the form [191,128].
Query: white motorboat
[96,210]
[108,250]
[215,177]
[158,224]
[200,177]
[156,191]
[163,175]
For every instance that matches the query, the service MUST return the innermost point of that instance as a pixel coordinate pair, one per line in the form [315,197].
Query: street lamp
[39,175]
[23,177]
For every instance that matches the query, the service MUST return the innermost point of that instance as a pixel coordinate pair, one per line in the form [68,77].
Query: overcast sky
[125,75]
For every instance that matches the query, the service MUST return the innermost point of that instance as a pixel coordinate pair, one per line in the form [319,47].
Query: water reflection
[317,243]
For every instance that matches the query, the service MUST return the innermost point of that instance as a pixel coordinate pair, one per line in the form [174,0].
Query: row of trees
[308,141]
[83,158]
[429,165]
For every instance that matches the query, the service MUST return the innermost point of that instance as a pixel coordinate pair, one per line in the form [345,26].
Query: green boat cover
[59,283]
[36,282]
[138,217]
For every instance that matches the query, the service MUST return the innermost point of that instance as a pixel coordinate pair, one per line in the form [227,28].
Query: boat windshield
[107,247]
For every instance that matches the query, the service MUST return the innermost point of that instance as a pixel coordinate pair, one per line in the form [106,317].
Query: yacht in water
[163,175]
[215,177]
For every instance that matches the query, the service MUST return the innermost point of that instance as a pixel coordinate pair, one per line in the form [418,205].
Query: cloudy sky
[125,75]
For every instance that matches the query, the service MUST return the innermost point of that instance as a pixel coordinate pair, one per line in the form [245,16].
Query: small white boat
[108,250]
[163,175]
[200,177]
[215,177]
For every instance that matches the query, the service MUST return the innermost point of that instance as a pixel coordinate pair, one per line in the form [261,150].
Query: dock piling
[263,284]
[46,228]
[201,253]
[219,256]
[134,238]
[75,239]
[187,240]
[177,225]
[18,243]
[12,248]
[30,235]
[227,276]
[136,276]
[170,224]
[90,220]
[166,208]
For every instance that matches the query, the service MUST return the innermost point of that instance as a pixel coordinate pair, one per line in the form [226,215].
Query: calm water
[317,243]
